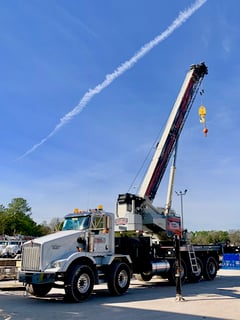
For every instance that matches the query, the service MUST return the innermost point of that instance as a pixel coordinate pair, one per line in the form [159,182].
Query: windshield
[76,223]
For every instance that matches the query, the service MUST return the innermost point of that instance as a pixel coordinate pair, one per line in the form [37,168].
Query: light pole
[181,194]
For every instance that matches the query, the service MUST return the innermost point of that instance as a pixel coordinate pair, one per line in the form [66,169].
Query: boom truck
[96,246]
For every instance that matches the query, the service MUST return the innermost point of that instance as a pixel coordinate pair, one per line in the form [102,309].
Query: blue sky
[53,52]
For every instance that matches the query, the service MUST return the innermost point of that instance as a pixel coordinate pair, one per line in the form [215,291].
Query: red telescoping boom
[175,123]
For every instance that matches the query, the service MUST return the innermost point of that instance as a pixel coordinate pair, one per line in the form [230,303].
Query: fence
[231,261]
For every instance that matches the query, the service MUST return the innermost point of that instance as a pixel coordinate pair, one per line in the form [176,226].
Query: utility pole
[181,194]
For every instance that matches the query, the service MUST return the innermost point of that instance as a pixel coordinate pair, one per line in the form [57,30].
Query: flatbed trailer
[158,258]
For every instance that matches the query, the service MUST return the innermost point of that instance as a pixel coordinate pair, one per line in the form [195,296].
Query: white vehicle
[79,256]
[3,245]
[11,248]
[96,246]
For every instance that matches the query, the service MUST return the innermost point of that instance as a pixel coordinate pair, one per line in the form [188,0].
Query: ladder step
[193,259]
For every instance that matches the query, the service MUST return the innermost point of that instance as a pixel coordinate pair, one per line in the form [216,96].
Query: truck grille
[31,257]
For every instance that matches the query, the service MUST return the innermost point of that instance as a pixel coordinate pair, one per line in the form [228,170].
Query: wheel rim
[122,278]
[199,269]
[83,283]
[212,267]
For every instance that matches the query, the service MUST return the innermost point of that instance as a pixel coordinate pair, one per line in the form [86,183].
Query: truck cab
[97,227]
[76,258]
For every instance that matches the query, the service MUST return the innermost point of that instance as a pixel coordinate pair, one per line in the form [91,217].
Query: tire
[79,283]
[119,278]
[39,290]
[210,268]
[195,277]
[172,272]
[144,276]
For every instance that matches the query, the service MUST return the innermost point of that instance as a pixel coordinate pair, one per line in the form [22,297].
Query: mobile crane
[96,246]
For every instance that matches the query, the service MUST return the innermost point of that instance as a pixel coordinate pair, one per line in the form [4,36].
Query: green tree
[16,219]
[234,237]
[209,237]
[44,228]
[18,216]
[2,219]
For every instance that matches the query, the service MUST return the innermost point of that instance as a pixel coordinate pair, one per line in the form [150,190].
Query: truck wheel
[172,272]
[144,276]
[196,276]
[210,268]
[79,283]
[39,290]
[119,278]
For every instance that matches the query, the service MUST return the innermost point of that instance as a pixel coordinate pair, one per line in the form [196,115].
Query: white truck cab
[78,256]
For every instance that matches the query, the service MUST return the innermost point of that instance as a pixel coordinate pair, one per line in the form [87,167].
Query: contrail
[109,78]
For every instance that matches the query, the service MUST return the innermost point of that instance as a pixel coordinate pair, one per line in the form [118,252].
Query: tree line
[231,237]
[16,220]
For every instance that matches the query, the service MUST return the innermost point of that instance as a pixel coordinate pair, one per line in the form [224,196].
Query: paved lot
[218,299]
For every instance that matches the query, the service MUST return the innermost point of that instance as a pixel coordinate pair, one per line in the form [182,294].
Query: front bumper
[36,278]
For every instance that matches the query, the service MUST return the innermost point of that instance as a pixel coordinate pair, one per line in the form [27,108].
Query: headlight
[57,264]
